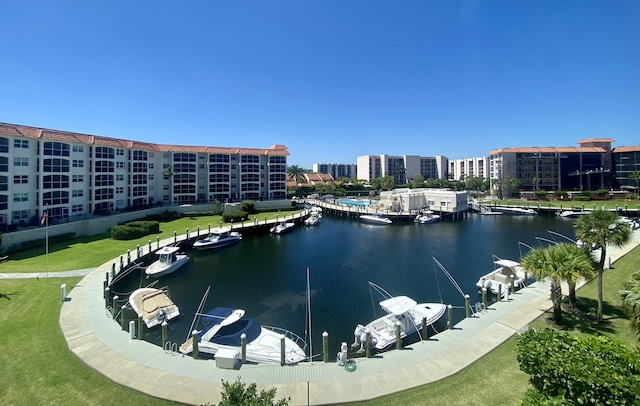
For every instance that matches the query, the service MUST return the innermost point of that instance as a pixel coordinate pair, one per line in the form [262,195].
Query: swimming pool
[353,202]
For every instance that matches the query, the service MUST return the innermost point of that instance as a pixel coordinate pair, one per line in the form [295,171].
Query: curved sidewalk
[100,342]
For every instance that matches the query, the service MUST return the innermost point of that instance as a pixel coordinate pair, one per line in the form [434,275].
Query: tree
[513,185]
[601,228]
[418,180]
[216,207]
[387,183]
[574,370]
[631,301]
[169,173]
[636,176]
[578,264]
[236,394]
[296,173]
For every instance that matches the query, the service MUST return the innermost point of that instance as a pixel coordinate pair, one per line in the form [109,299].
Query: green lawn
[567,205]
[38,368]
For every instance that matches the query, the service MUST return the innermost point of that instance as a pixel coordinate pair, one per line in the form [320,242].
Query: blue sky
[331,80]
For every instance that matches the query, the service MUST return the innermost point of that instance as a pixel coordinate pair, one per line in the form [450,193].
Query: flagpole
[46,242]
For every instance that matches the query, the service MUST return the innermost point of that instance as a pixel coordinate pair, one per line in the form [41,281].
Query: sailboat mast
[309,316]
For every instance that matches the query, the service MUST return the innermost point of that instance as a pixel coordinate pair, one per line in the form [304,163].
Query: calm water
[266,274]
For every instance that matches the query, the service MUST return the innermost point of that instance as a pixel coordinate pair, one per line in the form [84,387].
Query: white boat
[315,210]
[223,328]
[500,278]
[571,213]
[218,237]
[514,210]
[153,305]
[399,309]
[426,217]
[169,260]
[282,227]
[375,218]
[312,220]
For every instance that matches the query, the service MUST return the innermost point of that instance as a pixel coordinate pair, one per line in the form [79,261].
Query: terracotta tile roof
[534,150]
[66,136]
[596,140]
[635,148]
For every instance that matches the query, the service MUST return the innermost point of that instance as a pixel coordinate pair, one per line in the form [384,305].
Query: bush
[167,215]
[582,198]
[591,370]
[248,206]
[602,192]
[560,193]
[585,193]
[541,194]
[235,217]
[236,394]
[134,229]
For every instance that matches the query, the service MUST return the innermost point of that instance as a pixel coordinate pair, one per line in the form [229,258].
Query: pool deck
[100,342]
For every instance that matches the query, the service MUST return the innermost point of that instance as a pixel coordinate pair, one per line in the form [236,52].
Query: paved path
[100,342]
[34,275]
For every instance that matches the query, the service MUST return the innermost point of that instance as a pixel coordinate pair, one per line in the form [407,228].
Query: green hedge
[235,217]
[581,198]
[134,229]
[167,215]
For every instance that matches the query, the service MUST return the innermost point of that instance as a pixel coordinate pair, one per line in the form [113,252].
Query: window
[21,143]
[218,158]
[17,161]
[184,178]
[55,198]
[166,155]
[77,193]
[104,153]
[21,197]
[20,179]
[104,194]
[78,148]
[55,182]
[184,157]
[120,152]
[119,177]
[78,163]
[104,166]
[77,178]
[184,168]
[4,145]
[140,155]
[4,163]
[120,165]
[104,180]
[56,149]
[250,159]
[20,215]
[184,188]
[139,167]
[139,179]
[76,208]
[150,176]
[218,168]
[4,205]
[119,189]
[139,191]
[56,165]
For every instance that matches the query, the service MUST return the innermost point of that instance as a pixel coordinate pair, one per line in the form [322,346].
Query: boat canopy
[507,263]
[398,305]
[217,318]
[167,250]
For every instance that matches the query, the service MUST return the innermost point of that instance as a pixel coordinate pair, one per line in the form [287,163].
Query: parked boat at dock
[514,210]
[426,217]
[218,237]
[153,305]
[499,280]
[376,218]
[169,260]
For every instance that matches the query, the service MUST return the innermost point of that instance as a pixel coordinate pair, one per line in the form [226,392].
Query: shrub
[235,217]
[166,215]
[248,206]
[585,193]
[591,370]
[134,229]
[582,198]
[602,192]
[560,193]
[541,194]
[236,394]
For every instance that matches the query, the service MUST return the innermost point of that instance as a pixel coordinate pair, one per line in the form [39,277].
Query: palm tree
[560,262]
[599,229]
[296,173]
[540,263]
[636,175]
[169,173]
[631,301]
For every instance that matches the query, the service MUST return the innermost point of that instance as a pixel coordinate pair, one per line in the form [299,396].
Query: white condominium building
[69,174]
[336,170]
[460,169]
[401,168]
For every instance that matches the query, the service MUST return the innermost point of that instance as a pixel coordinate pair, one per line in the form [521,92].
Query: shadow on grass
[583,317]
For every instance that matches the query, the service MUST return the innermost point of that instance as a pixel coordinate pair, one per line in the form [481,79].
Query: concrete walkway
[101,343]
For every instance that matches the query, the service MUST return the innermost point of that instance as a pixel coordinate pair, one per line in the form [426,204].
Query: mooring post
[425,331]
[198,234]
[367,345]
[138,251]
[105,284]
[398,336]
[506,293]
[325,347]
[121,263]
[282,351]
[132,330]
[107,299]
[450,316]
[157,242]
[140,327]
[499,298]
[128,257]
[467,306]
[164,334]
[194,344]
[63,292]
[187,234]
[526,279]
[513,283]
[122,311]
[484,298]
[113,270]
[149,247]
[243,348]
[175,236]
[113,307]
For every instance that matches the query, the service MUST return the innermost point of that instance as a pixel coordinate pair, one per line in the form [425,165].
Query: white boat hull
[499,280]
[158,268]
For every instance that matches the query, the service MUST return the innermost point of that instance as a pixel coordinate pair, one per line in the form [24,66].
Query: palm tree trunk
[603,254]
[556,299]
[573,301]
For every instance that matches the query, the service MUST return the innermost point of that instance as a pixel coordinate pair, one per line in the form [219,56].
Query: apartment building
[626,167]
[336,170]
[401,168]
[69,174]
[461,169]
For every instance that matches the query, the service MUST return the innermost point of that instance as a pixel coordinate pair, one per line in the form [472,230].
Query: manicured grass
[38,368]
[568,204]
[90,252]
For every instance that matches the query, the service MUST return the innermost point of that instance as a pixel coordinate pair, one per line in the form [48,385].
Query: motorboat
[223,330]
[282,227]
[376,218]
[153,305]
[571,213]
[514,210]
[426,217]
[169,260]
[315,210]
[501,277]
[218,237]
[400,310]
[312,220]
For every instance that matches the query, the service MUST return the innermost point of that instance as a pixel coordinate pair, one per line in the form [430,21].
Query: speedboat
[312,220]
[375,218]
[500,278]
[282,227]
[571,213]
[400,310]
[153,305]
[426,217]
[514,210]
[218,237]
[224,326]
[169,260]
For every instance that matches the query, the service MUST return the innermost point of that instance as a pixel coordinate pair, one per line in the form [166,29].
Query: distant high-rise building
[401,168]
[336,170]
[460,169]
